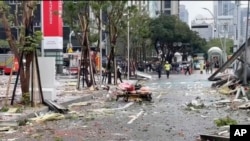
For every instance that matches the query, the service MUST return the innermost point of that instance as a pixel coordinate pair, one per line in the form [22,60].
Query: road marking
[169,86]
[183,82]
[168,83]
[135,117]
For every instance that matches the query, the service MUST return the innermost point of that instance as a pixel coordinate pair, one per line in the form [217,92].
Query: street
[165,118]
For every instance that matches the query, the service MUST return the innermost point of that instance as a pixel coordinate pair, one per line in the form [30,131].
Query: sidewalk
[66,94]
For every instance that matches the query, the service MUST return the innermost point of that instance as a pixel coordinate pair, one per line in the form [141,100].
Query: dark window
[167,4]
[167,12]
[14,2]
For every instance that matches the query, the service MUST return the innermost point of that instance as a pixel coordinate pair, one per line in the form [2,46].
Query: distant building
[142,5]
[244,27]
[169,7]
[183,14]
[204,29]
[223,14]
[153,9]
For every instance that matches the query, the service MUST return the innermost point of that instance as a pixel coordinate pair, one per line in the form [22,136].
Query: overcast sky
[195,8]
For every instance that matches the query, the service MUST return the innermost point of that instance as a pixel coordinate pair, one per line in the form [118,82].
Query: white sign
[53,42]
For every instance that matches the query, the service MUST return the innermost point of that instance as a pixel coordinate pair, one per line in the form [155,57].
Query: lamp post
[246,49]
[70,35]
[215,28]
[214,23]
[100,44]
[128,24]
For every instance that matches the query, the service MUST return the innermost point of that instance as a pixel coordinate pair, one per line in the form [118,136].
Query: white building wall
[153,8]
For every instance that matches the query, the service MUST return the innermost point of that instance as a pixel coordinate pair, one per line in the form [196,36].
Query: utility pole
[237,30]
[246,49]
[100,44]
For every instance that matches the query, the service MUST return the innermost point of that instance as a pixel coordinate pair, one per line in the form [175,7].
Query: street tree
[28,40]
[4,45]
[220,43]
[115,12]
[166,31]
[140,34]
[76,16]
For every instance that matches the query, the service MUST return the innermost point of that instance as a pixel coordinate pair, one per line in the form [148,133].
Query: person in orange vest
[167,67]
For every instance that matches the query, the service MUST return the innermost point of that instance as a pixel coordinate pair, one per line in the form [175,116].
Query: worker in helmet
[167,67]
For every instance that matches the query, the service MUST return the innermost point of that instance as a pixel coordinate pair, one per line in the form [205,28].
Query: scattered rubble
[195,104]
[48,117]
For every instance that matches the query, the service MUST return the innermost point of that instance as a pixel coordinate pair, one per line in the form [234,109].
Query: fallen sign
[55,106]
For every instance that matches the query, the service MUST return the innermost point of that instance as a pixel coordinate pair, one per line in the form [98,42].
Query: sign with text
[239,132]
[52,18]
[52,24]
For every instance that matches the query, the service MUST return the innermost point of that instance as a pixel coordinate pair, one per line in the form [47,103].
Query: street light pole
[214,23]
[128,49]
[100,43]
[70,34]
[246,49]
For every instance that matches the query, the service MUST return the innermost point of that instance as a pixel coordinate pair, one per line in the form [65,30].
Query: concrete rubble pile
[233,88]
[235,98]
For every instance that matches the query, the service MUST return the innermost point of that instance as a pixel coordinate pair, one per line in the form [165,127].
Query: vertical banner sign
[52,24]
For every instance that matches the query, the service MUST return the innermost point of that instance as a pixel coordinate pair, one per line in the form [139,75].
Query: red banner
[52,18]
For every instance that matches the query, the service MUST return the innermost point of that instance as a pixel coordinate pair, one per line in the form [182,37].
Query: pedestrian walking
[104,75]
[167,67]
[159,69]
[207,67]
[188,70]
[119,74]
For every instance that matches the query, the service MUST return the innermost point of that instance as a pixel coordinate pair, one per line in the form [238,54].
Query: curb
[46,108]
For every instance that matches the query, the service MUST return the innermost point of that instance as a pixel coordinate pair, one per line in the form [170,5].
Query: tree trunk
[25,73]
[27,19]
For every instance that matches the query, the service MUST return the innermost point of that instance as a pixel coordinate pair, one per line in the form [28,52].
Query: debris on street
[130,92]
[48,117]
[195,104]
[225,121]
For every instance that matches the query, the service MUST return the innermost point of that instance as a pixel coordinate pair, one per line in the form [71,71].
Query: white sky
[195,8]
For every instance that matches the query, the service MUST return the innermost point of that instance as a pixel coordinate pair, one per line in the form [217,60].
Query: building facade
[153,9]
[184,15]
[169,7]
[224,14]
[143,5]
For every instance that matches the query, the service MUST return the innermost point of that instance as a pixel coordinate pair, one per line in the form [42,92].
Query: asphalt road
[166,118]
